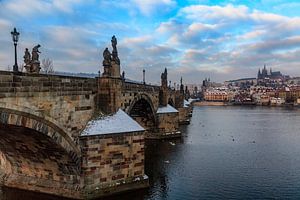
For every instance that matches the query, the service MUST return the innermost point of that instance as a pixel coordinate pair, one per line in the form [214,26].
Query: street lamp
[15,37]
[144,76]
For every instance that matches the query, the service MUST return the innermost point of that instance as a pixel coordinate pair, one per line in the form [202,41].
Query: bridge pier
[112,156]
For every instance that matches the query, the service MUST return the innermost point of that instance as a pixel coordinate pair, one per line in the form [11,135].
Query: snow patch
[119,122]
[166,109]
[186,104]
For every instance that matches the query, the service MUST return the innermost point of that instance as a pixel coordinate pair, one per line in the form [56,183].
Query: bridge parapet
[21,84]
[140,87]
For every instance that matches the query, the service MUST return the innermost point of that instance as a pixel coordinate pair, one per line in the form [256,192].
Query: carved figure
[114,43]
[35,53]
[107,57]
[27,57]
[115,51]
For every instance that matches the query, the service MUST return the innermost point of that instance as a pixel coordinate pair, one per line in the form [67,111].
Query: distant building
[242,83]
[270,78]
[216,95]
[263,74]
[294,81]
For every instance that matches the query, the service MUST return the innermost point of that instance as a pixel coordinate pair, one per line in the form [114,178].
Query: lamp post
[15,37]
[144,82]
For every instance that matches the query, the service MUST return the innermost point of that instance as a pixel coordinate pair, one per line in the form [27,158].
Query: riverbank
[212,103]
[209,103]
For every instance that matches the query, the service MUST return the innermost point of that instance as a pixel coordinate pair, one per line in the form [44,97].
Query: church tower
[259,74]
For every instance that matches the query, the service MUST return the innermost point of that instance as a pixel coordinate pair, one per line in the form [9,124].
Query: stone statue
[106,57]
[164,78]
[35,53]
[115,51]
[35,63]
[123,75]
[32,63]
[106,62]
[114,43]
[27,57]
[111,62]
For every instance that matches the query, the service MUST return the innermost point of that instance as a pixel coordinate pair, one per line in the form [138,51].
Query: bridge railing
[11,83]
[140,87]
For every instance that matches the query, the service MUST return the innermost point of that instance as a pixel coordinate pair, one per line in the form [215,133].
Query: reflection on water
[227,153]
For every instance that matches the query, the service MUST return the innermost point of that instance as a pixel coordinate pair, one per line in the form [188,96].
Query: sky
[223,40]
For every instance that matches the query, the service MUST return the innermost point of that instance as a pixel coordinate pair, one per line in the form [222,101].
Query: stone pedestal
[109,94]
[106,70]
[35,67]
[115,70]
[28,68]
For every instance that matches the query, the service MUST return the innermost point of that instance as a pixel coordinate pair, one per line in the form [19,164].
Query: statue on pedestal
[32,63]
[27,57]
[111,61]
[27,60]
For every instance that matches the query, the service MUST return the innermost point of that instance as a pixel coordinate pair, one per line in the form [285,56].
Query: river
[227,152]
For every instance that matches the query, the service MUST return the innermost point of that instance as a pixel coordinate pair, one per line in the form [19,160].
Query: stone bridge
[42,118]
[141,101]
[53,109]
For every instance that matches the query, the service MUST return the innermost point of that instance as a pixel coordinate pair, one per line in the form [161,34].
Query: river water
[227,153]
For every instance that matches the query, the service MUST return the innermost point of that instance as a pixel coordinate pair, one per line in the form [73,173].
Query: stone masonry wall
[131,90]
[168,122]
[183,114]
[109,93]
[68,100]
[111,161]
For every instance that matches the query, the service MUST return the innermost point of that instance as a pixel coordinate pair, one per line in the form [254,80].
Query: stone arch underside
[32,161]
[43,125]
[143,111]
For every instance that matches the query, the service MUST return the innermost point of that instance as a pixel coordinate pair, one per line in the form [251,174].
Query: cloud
[197,40]
[28,8]
[276,45]
[214,13]
[147,7]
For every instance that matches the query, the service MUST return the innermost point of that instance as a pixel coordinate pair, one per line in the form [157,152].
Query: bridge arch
[33,161]
[143,111]
[42,124]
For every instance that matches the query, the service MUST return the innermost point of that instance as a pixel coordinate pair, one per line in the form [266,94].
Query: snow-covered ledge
[166,109]
[119,122]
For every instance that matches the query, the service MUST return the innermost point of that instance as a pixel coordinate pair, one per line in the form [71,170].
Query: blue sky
[193,38]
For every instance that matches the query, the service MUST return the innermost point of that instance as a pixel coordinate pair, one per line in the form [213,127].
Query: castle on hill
[264,74]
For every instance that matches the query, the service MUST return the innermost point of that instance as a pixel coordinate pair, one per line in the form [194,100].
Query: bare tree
[21,68]
[47,66]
